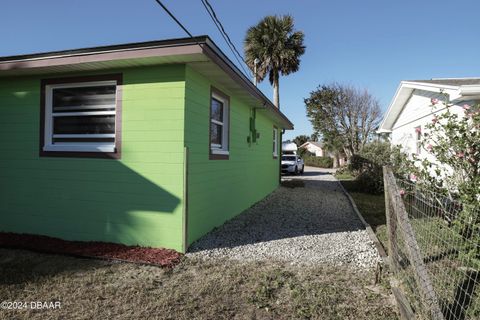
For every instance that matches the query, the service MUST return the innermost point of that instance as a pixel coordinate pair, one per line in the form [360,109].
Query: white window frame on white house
[49,145]
[275,142]
[221,149]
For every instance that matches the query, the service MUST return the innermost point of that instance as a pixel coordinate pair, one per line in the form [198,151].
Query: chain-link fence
[434,252]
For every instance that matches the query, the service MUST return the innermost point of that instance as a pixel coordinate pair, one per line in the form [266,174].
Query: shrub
[320,162]
[367,166]
[303,153]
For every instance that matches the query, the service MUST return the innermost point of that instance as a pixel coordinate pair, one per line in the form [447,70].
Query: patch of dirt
[105,250]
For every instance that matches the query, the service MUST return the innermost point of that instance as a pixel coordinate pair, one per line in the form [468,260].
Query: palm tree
[277,47]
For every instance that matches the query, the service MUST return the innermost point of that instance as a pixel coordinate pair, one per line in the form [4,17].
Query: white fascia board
[383,131]
[404,92]
[470,90]
[453,92]
[433,87]
[392,106]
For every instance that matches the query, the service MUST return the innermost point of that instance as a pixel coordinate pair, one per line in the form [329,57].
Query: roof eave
[193,47]
[434,87]
[470,90]
[403,93]
[389,114]
[380,131]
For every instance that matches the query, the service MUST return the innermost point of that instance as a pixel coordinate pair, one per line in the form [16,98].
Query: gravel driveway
[314,224]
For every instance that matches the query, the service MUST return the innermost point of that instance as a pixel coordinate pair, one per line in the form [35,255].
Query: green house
[150,144]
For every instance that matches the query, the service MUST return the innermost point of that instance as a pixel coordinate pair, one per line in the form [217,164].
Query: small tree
[301,139]
[344,113]
[304,153]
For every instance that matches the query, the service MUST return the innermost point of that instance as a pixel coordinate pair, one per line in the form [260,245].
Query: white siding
[418,112]
[318,152]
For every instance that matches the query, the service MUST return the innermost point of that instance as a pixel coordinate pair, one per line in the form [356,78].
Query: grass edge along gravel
[371,206]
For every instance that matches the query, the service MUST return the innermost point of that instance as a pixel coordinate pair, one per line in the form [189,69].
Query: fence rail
[433,251]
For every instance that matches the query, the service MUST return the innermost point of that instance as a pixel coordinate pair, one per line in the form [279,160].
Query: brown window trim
[213,156]
[118,117]
[275,156]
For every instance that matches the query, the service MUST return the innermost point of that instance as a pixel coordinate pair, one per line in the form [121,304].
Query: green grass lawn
[344,176]
[95,289]
[434,237]
[371,206]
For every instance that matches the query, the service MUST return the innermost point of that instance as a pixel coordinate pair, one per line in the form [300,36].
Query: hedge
[320,162]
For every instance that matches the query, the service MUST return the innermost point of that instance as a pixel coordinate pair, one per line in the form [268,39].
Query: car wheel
[296,170]
[303,169]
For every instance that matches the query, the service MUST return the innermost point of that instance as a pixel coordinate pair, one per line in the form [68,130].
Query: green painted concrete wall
[135,200]
[220,189]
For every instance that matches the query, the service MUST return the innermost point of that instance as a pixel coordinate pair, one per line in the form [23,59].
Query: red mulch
[105,250]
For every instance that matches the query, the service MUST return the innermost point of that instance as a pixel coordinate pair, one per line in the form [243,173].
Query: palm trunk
[276,93]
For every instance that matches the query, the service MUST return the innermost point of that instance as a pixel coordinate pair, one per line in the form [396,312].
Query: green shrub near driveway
[320,162]
[367,165]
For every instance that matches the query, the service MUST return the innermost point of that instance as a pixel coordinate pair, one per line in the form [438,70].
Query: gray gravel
[314,224]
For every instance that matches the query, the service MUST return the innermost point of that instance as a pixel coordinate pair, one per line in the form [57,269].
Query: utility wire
[218,24]
[174,18]
[221,29]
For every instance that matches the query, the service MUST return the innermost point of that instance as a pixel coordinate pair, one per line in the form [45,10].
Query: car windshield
[288,158]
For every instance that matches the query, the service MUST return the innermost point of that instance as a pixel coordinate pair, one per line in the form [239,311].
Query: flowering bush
[454,142]
[454,170]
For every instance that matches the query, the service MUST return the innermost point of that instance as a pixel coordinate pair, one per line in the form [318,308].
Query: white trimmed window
[219,126]
[275,142]
[80,117]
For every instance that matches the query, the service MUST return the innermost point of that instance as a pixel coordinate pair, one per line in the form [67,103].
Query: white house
[318,150]
[315,148]
[416,102]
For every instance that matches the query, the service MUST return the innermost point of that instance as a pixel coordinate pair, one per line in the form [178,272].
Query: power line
[218,24]
[221,26]
[221,29]
[174,18]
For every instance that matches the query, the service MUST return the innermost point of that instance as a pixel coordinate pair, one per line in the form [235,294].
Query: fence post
[422,278]
[391,222]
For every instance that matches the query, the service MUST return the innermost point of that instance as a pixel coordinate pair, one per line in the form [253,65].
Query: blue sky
[370,44]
